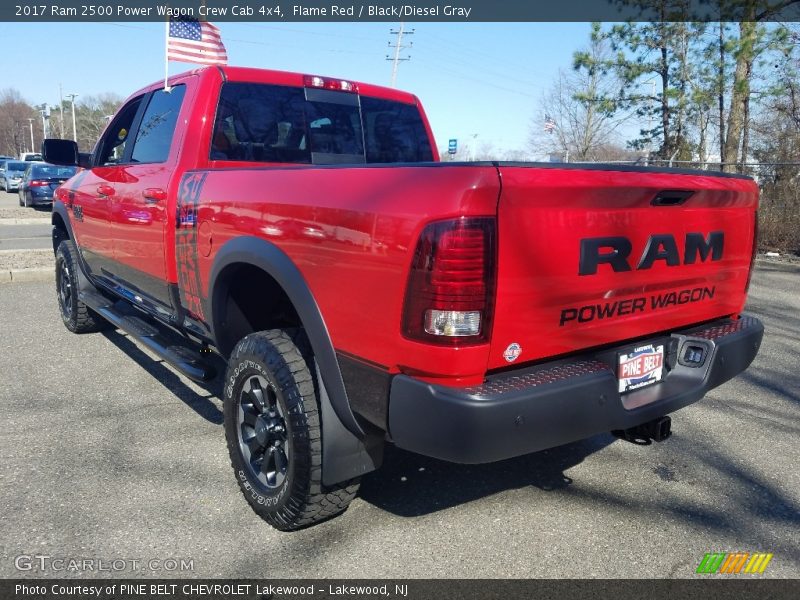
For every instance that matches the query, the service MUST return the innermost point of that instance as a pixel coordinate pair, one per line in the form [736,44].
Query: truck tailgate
[588,257]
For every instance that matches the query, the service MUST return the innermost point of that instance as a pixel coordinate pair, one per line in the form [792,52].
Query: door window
[155,133]
[111,149]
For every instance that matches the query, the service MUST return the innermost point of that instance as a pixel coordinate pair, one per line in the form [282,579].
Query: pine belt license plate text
[640,367]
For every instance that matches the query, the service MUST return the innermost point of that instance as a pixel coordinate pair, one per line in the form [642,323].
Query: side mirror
[60,152]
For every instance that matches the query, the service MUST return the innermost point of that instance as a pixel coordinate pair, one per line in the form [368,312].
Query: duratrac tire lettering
[77,317]
[301,500]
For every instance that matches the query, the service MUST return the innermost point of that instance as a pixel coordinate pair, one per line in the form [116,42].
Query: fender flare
[61,210]
[84,281]
[345,453]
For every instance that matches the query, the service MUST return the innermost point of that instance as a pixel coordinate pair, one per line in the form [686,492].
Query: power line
[398,46]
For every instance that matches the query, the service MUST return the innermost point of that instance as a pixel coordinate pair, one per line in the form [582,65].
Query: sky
[472,78]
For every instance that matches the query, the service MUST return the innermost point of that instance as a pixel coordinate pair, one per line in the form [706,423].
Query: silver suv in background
[13,171]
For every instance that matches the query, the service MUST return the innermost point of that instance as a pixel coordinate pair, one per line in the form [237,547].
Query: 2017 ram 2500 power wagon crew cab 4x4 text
[362,292]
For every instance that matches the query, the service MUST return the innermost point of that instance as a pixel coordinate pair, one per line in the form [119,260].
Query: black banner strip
[459,11]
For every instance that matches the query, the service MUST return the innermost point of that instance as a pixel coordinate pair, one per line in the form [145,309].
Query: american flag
[549,123]
[194,41]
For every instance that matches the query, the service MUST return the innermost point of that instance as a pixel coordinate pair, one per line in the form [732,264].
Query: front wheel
[77,317]
[272,428]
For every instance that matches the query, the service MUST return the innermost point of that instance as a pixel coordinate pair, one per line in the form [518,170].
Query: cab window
[112,146]
[155,133]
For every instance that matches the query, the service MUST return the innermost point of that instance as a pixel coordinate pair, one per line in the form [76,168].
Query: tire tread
[286,354]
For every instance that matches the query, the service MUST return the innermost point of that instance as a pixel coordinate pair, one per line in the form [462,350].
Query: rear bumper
[519,412]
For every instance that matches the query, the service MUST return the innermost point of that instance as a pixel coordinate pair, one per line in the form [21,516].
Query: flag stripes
[190,40]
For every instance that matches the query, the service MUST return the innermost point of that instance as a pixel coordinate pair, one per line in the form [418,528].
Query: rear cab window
[282,124]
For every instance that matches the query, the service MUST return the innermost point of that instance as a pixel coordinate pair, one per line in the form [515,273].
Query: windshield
[52,172]
[16,166]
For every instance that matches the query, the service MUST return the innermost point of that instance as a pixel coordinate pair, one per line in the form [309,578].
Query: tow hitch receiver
[658,430]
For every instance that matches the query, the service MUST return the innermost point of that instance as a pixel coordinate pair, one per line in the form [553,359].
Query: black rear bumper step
[158,340]
[535,408]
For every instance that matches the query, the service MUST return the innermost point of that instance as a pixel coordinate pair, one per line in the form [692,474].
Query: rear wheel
[77,317]
[272,427]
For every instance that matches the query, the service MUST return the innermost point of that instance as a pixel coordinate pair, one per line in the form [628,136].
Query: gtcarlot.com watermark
[43,563]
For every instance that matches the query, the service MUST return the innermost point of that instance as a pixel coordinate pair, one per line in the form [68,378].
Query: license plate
[640,367]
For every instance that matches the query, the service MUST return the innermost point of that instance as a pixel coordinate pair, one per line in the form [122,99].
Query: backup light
[456,323]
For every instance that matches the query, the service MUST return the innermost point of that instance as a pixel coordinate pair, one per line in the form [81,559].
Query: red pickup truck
[361,292]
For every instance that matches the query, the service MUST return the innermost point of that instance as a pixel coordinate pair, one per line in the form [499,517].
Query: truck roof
[289,78]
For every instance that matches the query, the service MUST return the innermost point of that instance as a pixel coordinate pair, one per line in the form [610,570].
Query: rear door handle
[105,190]
[153,195]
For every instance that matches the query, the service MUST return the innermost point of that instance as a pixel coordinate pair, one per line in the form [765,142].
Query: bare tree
[92,115]
[578,116]
[15,113]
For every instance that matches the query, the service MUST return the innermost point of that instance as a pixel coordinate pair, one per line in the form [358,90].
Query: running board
[187,361]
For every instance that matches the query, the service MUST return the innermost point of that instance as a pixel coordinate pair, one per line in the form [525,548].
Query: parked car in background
[12,174]
[40,182]
[30,156]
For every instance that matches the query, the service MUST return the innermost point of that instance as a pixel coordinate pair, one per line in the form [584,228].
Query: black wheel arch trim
[345,445]
[60,210]
[272,260]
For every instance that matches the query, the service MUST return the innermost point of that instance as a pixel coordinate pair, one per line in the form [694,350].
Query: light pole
[652,82]
[30,122]
[74,124]
[61,109]
[43,110]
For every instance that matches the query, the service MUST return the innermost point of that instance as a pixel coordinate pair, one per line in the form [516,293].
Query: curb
[25,221]
[27,275]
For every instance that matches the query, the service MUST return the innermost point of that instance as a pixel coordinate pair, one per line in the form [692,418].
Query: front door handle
[153,195]
[105,190]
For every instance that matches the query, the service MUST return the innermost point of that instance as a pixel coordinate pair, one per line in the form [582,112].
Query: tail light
[37,183]
[753,255]
[450,293]
[328,83]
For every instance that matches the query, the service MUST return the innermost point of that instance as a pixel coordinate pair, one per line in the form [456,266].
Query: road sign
[452,146]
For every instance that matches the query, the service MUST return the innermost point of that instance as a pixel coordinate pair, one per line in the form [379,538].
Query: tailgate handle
[671,197]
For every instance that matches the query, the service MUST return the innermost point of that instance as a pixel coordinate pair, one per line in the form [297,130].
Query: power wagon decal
[614,252]
[619,308]
[189,283]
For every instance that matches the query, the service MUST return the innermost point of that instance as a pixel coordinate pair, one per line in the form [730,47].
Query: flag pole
[166,54]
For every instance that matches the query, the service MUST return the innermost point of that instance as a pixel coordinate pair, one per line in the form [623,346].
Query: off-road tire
[77,317]
[299,498]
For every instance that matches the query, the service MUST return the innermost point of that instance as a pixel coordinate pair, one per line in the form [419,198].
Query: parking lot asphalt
[108,454]
[26,237]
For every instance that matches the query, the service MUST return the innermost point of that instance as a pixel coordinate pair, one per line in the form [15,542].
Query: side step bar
[187,361]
